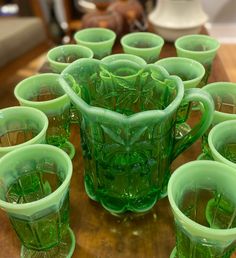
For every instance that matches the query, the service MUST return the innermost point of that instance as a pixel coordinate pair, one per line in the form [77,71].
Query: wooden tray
[101,235]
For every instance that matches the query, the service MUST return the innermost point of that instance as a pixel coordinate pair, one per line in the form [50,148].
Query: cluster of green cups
[191,50]
[35,176]
[223,94]
[202,193]
[130,108]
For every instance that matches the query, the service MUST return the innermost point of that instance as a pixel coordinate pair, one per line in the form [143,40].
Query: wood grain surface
[100,234]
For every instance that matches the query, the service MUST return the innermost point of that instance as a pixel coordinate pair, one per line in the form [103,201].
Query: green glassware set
[130,114]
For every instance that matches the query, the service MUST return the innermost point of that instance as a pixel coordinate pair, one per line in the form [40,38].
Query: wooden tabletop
[102,235]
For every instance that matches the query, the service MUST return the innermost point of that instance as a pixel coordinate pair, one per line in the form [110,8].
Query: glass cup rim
[219,114]
[40,147]
[195,65]
[185,38]
[220,127]
[209,232]
[67,46]
[34,112]
[92,30]
[38,104]
[143,34]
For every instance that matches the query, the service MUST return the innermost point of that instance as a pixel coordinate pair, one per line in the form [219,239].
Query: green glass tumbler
[146,45]
[222,142]
[44,92]
[20,126]
[224,97]
[99,40]
[128,115]
[203,201]
[35,195]
[61,56]
[201,48]
[190,71]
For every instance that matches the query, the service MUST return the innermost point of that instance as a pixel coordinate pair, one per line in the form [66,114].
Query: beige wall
[220,11]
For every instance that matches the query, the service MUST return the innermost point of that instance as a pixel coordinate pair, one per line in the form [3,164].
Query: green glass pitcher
[128,115]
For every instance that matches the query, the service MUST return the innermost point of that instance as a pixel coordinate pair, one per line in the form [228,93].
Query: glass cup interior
[41,90]
[222,142]
[204,209]
[223,95]
[190,72]
[99,40]
[201,48]
[45,93]
[197,43]
[143,44]
[61,56]
[34,194]
[21,126]
[94,35]
[68,53]
[142,40]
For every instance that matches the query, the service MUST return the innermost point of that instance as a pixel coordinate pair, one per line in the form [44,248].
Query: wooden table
[101,235]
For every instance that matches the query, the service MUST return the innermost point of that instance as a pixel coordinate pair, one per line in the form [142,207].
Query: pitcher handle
[195,94]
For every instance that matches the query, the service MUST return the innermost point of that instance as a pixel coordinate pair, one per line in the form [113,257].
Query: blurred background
[62,17]
[38,25]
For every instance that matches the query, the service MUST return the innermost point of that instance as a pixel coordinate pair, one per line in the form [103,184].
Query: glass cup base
[69,148]
[64,250]
[173,253]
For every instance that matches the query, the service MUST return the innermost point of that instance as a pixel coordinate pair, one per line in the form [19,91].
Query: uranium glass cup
[224,96]
[146,45]
[190,71]
[99,40]
[61,56]
[128,115]
[44,92]
[21,126]
[201,48]
[222,142]
[35,195]
[203,200]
